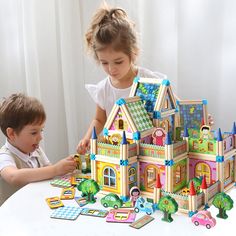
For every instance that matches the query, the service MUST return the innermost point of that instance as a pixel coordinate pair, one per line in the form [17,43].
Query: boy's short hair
[19,110]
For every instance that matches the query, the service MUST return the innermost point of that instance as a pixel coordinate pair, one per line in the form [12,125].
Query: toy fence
[110,150]
[179,148]
[189,203]
[152,150]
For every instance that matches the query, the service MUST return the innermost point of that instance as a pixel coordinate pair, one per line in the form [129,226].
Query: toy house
[153,142]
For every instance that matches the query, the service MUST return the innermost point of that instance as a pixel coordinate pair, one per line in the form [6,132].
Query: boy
[22,161]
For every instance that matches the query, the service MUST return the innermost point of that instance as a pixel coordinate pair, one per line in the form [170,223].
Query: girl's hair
[111,27]
[19,110]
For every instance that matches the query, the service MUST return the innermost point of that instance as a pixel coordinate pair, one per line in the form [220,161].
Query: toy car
[112,200]
[142,205]
[204,218]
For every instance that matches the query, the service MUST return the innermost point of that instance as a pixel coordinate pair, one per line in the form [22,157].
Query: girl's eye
[34,133]
[119,62]
[104,63]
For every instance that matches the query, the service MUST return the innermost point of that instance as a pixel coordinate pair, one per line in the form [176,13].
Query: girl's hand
[83,146]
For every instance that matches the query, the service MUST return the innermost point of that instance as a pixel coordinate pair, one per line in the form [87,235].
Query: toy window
[121,124]
[109,177]
[210,147]
[178,174]
[195,145]
[132,175]
[227,171]
[203,169]
[166,104]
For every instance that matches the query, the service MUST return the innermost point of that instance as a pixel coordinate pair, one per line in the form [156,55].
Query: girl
[113,42]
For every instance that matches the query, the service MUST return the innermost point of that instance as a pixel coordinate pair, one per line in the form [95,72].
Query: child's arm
[21,177]
[98,122]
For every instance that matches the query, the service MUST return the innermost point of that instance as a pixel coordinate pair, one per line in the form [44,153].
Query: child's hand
[83,146]
[65,166]
[210,120]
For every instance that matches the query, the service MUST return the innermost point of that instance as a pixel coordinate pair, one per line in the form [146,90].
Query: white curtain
[42,53]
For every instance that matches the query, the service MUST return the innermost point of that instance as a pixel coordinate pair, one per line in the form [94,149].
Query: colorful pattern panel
[191,115]
[148,93]
[139,115]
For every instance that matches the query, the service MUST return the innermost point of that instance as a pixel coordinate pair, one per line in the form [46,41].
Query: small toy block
[66,213]
[94,212]
[67,193]
[61,181]
[121,216]
[81,201]
[54,202]
[142,222]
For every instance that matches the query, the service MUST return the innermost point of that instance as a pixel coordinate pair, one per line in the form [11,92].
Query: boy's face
[28,139]
[115,63]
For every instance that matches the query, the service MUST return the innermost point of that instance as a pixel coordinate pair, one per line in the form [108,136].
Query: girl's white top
[105,94]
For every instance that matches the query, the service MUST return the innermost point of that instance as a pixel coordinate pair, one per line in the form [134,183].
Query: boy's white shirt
[30,160]
[6,159]
[105,94]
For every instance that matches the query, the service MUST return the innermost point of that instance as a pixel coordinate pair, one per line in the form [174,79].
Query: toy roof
[156,93]
[136,116]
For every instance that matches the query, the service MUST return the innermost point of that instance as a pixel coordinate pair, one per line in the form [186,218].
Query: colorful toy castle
[152,141]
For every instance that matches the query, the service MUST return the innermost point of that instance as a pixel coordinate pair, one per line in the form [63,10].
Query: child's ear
[10,133]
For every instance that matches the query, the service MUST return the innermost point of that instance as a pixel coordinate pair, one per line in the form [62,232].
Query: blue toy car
[142,205]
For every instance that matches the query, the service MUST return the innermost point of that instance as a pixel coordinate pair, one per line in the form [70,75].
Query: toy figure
[159,136]
[134,194]
[205,132]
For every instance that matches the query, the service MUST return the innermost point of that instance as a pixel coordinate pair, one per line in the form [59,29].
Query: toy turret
[219,135]
[169,163]
[124,140]
[157,189]
[124,167]
[94,134]
[234,134]
[204,183]
[93,144]
[192,199]
[186,137]
[220,159]
[205,191]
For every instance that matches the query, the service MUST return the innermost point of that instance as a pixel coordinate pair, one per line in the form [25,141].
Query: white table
[26,214]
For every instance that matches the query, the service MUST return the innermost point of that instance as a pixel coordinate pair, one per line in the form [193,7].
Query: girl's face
[115,63]
[28,139]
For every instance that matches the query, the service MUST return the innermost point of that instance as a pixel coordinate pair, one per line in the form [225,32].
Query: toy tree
[168,206]
[89,188]
[224,203]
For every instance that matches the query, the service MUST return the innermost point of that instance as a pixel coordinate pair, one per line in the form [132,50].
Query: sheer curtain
[42,54]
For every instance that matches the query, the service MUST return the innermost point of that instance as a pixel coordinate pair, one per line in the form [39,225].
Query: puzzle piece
[141,222]
[66,213]
[61,181]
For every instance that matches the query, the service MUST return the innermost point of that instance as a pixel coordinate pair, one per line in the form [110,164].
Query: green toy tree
[224,203]
[89,188]
[168,206]
[197,184]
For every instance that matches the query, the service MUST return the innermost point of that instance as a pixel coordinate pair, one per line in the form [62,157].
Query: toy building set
[157,148]
[159,144]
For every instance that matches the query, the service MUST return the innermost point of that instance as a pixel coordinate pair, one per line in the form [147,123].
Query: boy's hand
[65,166]
[83,146]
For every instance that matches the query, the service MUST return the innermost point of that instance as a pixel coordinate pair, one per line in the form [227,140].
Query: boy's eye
[104,63]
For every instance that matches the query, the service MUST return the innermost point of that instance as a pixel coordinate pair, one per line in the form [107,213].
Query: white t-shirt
[30,160]
[105,94]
